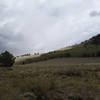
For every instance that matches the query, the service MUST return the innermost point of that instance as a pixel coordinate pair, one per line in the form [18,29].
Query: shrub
[26,96]
[98,54]
[75,98]
[7,59]
[43,87]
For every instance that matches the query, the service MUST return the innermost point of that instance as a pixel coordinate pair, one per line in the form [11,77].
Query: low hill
[88,48]
[66,48]
[22,59]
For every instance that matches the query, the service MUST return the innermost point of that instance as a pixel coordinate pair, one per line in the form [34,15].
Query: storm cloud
[95,13]
[28,26]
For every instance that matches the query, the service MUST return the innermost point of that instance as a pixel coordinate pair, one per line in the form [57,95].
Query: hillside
[93,41]
[88,48]
[21,59]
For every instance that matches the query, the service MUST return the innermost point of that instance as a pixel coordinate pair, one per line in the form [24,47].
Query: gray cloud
[28,26]
[95,13]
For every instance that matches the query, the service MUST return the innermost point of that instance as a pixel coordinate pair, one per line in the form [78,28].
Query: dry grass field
[57,79]
[23,58]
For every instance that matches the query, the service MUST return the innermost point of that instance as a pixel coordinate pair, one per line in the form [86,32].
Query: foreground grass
[58,79]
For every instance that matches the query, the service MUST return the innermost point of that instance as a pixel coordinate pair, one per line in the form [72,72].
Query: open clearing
[57,79]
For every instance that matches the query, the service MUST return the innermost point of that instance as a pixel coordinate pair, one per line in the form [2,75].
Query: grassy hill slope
[89,48]
[21,59]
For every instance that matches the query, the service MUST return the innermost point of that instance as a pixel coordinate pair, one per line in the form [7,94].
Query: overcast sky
[28,26]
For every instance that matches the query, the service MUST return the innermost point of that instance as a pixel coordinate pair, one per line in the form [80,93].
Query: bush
[7,59]
[75,98]
[98,54]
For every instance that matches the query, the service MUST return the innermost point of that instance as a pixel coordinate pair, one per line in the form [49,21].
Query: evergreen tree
[7,59]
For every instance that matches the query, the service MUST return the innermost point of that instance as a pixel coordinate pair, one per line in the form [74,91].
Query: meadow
[56,79]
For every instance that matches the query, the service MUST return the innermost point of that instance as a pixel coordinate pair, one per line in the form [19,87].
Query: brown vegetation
[58,79]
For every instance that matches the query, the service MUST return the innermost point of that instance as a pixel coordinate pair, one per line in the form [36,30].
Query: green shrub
[7,59]
[75,98]
[98,54]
